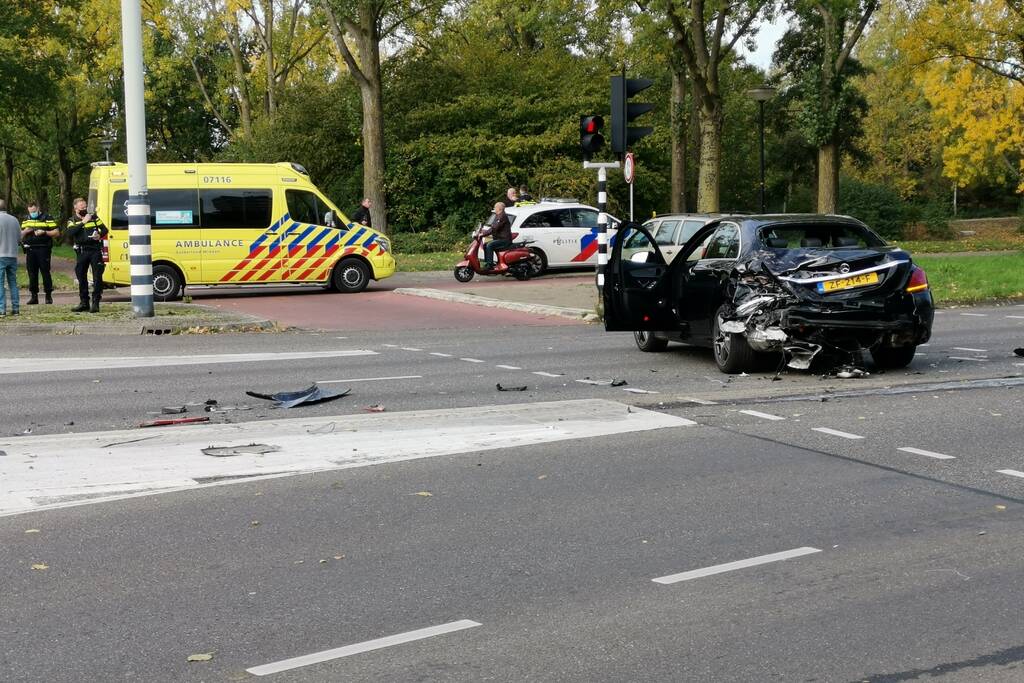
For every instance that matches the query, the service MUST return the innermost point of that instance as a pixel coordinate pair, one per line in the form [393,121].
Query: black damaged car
[789,286]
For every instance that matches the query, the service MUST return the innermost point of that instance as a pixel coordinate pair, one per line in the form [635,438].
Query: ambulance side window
[234,208]
[305,207]
[169,209]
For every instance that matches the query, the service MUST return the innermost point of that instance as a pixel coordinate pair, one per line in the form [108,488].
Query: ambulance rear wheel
[167,283]
[350,276]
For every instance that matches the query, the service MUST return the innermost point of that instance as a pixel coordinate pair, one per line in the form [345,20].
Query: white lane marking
[927,454]
[638,391]
[508,367]
[547,374]
[341,337]
[1012,473]
[390,346]
[763,416]
[980,360]
[366,379]
[14,366]
[698,401]
[921,346]
[359,648]
[739,564]
[966,348]
[976,315]
[472,360]
[592,381]
[410,348]
[1016,317]
[440,355]
[836,432]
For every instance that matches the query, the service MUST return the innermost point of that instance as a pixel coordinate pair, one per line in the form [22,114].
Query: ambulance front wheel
[350,276]
[167,283]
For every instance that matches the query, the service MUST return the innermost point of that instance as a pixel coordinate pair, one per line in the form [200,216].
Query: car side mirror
[640,257]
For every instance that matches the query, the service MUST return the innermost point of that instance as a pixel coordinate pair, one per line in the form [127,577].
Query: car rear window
[818,235]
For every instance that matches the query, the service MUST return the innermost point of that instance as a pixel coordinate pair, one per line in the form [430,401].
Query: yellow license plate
[848,283]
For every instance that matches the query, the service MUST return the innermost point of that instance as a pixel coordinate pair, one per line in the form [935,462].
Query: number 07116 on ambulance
[237,224]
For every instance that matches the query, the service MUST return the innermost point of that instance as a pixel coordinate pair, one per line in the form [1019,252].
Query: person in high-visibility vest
[37,233]
[87,232]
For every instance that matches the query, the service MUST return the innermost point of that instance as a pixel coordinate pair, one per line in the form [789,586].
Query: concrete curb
[242,322]
[581,314]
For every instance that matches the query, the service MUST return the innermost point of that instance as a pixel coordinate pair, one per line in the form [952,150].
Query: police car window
[170,209]
[541,219]
[666,234]
[305,207]
[236,208]
[585,218]
[724,244]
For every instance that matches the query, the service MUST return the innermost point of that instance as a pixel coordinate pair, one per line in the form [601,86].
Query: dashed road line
[763,416]
[1016,317]
[698,401]
[1012,473]
[634,390]
[359,648]
[975,315]
[390,346]
[965,348]
[548,374]
[927,454]
[366,379]
[733,566]
[836,432]
[980,360]
[472,360]
[440,355]
[410,348]
[508,367]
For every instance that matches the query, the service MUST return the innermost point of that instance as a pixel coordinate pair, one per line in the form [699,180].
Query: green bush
[936,219]
[877,205]
[452,236]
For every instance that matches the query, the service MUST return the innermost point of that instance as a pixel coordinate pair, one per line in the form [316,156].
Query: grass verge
[437,260]
[959,280]
[60,280]
[110,312]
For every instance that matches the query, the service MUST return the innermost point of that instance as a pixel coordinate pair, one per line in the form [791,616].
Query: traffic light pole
[602,218]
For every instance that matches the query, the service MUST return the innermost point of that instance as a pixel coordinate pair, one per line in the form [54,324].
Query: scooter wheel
[522,274]
[464,273]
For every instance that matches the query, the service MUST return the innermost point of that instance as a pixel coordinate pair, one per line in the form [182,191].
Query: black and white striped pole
[140,247]
[602,217]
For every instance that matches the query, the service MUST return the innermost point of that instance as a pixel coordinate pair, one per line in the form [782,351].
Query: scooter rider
[501,232]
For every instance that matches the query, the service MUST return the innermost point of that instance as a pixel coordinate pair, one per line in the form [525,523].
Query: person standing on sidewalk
[10,237]
[86,232]
[37,233]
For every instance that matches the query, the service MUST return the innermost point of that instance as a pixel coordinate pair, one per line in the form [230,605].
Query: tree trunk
[710,156]
[9,178]
[65,180]
[679,125]
[371,91]
[828,177]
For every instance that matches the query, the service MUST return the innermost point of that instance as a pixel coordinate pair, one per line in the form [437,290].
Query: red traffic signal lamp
[591,139]
[624,111]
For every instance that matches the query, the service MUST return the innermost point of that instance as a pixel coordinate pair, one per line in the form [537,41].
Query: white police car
[564,232]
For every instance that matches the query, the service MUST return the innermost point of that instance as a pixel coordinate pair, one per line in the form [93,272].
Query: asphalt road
[903,564]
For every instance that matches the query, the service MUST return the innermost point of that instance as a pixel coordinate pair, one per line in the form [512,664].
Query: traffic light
[624,111]
[591,139]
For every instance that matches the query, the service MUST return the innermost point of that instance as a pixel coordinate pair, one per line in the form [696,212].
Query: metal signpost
[628,171]
[140,246]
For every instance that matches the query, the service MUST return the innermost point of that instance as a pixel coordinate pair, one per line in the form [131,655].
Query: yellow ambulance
[237,224]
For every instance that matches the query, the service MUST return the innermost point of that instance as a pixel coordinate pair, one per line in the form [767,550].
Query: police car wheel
[538,262]
[350,276]
[167,283]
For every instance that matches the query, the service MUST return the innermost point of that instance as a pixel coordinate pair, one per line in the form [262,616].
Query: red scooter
[517,261]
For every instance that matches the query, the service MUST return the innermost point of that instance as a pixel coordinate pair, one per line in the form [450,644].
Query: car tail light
[918,280]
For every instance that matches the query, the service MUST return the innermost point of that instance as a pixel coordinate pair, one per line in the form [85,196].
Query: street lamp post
[762,94]
[107,143]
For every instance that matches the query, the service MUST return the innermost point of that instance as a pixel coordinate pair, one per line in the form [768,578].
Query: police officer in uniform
[37,233]
[86,232]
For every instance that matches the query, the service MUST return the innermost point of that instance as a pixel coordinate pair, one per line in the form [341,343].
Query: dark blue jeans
[493,246]
[9,280]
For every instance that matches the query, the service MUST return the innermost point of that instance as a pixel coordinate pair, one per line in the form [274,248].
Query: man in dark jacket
[37,233]
[501,232]
[362,214]
[86,232]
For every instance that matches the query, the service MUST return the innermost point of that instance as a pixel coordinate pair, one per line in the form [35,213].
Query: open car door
[636,292]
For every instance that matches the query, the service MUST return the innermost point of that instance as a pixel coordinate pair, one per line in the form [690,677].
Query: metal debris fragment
[501,388]
[249,449]
[312,395]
